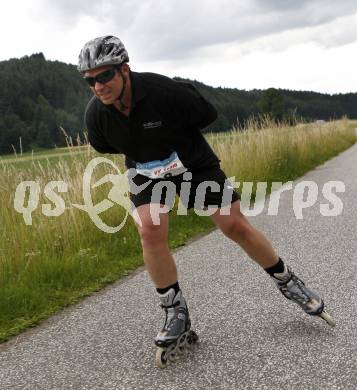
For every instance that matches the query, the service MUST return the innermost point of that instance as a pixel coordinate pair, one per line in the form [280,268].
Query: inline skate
[176,335]
[294,288]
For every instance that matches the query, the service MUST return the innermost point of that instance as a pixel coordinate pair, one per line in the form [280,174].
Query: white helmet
[107,50]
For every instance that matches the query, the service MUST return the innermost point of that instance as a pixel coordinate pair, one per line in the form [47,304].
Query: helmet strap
[122,105]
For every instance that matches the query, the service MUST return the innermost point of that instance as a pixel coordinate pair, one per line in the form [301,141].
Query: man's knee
[236,226]
[150,233]
[149,230]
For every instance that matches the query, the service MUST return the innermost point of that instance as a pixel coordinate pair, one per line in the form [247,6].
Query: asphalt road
[251,336]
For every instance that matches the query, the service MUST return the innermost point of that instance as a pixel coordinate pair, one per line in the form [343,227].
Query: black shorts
[198,189]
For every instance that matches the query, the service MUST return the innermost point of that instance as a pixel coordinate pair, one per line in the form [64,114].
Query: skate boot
[175,335]
[294,288]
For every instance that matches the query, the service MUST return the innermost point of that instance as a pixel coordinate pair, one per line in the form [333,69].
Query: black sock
[175,286]
[276,269]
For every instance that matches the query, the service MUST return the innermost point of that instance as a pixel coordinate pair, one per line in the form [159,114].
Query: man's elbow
[210,117]
[213,114]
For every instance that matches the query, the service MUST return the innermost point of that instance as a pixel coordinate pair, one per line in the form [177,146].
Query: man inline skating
[155,122]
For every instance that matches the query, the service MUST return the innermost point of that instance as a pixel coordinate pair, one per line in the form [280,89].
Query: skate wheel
[194,336]
[174,357]
[325,316]
[181,348]
[181,345]
[192,339]
[161,358]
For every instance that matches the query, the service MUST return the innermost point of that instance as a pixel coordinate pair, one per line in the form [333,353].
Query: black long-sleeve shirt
[166,116]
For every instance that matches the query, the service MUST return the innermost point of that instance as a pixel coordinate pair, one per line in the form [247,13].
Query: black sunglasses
[101,78]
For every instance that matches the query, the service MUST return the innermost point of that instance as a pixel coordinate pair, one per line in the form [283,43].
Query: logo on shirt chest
[152,125]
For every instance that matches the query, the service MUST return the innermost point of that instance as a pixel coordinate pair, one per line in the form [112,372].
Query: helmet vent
[98,51]
[109,48]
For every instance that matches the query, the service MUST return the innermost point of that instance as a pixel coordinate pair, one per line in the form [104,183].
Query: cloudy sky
[245,44]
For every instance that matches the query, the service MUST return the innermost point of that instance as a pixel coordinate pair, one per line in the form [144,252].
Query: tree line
[39,97]
[235,107]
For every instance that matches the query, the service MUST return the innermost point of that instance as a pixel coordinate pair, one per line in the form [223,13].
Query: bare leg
[157,257]
[253,242]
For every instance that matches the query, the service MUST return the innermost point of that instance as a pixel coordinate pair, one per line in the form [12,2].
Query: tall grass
[276,152]
[57,260]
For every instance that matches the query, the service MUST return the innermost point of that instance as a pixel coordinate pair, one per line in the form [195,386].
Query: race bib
[161,169]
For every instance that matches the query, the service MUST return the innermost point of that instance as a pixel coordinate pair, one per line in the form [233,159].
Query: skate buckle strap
[170,306]
[304,298]
[301,286]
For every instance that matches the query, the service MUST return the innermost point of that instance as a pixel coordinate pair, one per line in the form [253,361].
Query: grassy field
[57,260]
